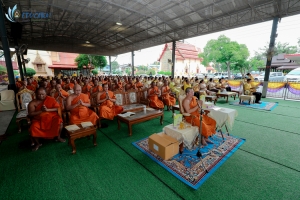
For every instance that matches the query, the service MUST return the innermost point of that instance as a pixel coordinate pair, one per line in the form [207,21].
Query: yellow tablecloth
[187,135]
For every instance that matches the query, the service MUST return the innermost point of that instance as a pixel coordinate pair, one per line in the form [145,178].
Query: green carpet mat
[265,167]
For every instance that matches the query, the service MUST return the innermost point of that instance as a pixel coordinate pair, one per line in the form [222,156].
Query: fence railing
[276,89]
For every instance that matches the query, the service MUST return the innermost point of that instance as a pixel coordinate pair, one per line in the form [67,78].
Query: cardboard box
[163,145]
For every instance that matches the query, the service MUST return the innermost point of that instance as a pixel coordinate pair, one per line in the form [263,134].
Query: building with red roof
[186,57]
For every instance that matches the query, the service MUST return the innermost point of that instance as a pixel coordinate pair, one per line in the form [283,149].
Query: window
[39,67]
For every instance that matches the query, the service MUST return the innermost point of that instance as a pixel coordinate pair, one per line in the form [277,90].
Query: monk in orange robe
[107,108]
[52,87]
[138,84]
[78,104]
[153,94]
[60,96]
[46,122]
[94,91]
[30,86]
[130,85]
[117,86]
[68,86]
[86,87]
[166,96]
[191,106]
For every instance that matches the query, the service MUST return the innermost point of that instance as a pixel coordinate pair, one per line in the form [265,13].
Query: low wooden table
[82,132]
[211,99]
[140,116]
[227,94]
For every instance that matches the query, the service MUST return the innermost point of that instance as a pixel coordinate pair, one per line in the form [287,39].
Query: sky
[253,36]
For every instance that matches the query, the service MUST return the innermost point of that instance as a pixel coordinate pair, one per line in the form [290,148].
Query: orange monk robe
[104,82]
[208,124]
[30,87]
[167,98]
[108,109]
[120,86]
[62,84]
[86,90]
[82,113]
[69,86]
[19,84]
[154,101]
[46,124]
[139,85]
[97,89]
[34,83]
[60,100]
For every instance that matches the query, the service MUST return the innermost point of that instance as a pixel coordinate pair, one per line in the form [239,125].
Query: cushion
[119,99]
[132,97]
[181,97]
[22,114]
[25,98]
[132,106]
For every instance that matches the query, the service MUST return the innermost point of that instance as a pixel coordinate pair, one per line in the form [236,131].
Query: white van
[274,76]
[293,76]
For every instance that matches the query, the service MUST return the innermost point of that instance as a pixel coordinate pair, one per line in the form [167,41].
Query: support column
[109,58]
[5,45]
[20,67]
[269,56]
[173,58]
[132,62]
[19,59]
[24,66]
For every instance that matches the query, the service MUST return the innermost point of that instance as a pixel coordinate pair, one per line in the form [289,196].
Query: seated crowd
[81,95]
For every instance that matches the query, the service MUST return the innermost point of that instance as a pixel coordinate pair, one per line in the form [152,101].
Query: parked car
[238,76]
[209,75]
[199,76]
[143,75]
[219,75]
[274,76]
[293,76]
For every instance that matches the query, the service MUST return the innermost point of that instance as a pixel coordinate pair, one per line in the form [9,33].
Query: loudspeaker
[16,30]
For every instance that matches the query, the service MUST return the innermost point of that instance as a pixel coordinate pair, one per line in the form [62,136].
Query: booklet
[127,114]
[72,127]
[86,124]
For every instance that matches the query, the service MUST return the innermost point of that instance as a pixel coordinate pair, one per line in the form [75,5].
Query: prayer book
[86,124]
[72,127]
[127,114]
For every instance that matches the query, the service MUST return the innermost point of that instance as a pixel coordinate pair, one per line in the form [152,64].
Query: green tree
[224,51]
[3,70]
[279,48]
[245,66]
[30,71]
[16,72]
[166,73]
[114,66]
[95,71]
[128,71]
[142,68]
[94,60]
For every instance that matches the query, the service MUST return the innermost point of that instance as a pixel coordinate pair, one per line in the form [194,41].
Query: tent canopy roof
[90,26]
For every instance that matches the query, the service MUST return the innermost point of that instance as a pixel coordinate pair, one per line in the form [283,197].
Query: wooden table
[226,94]
[140,116]
[82,132]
